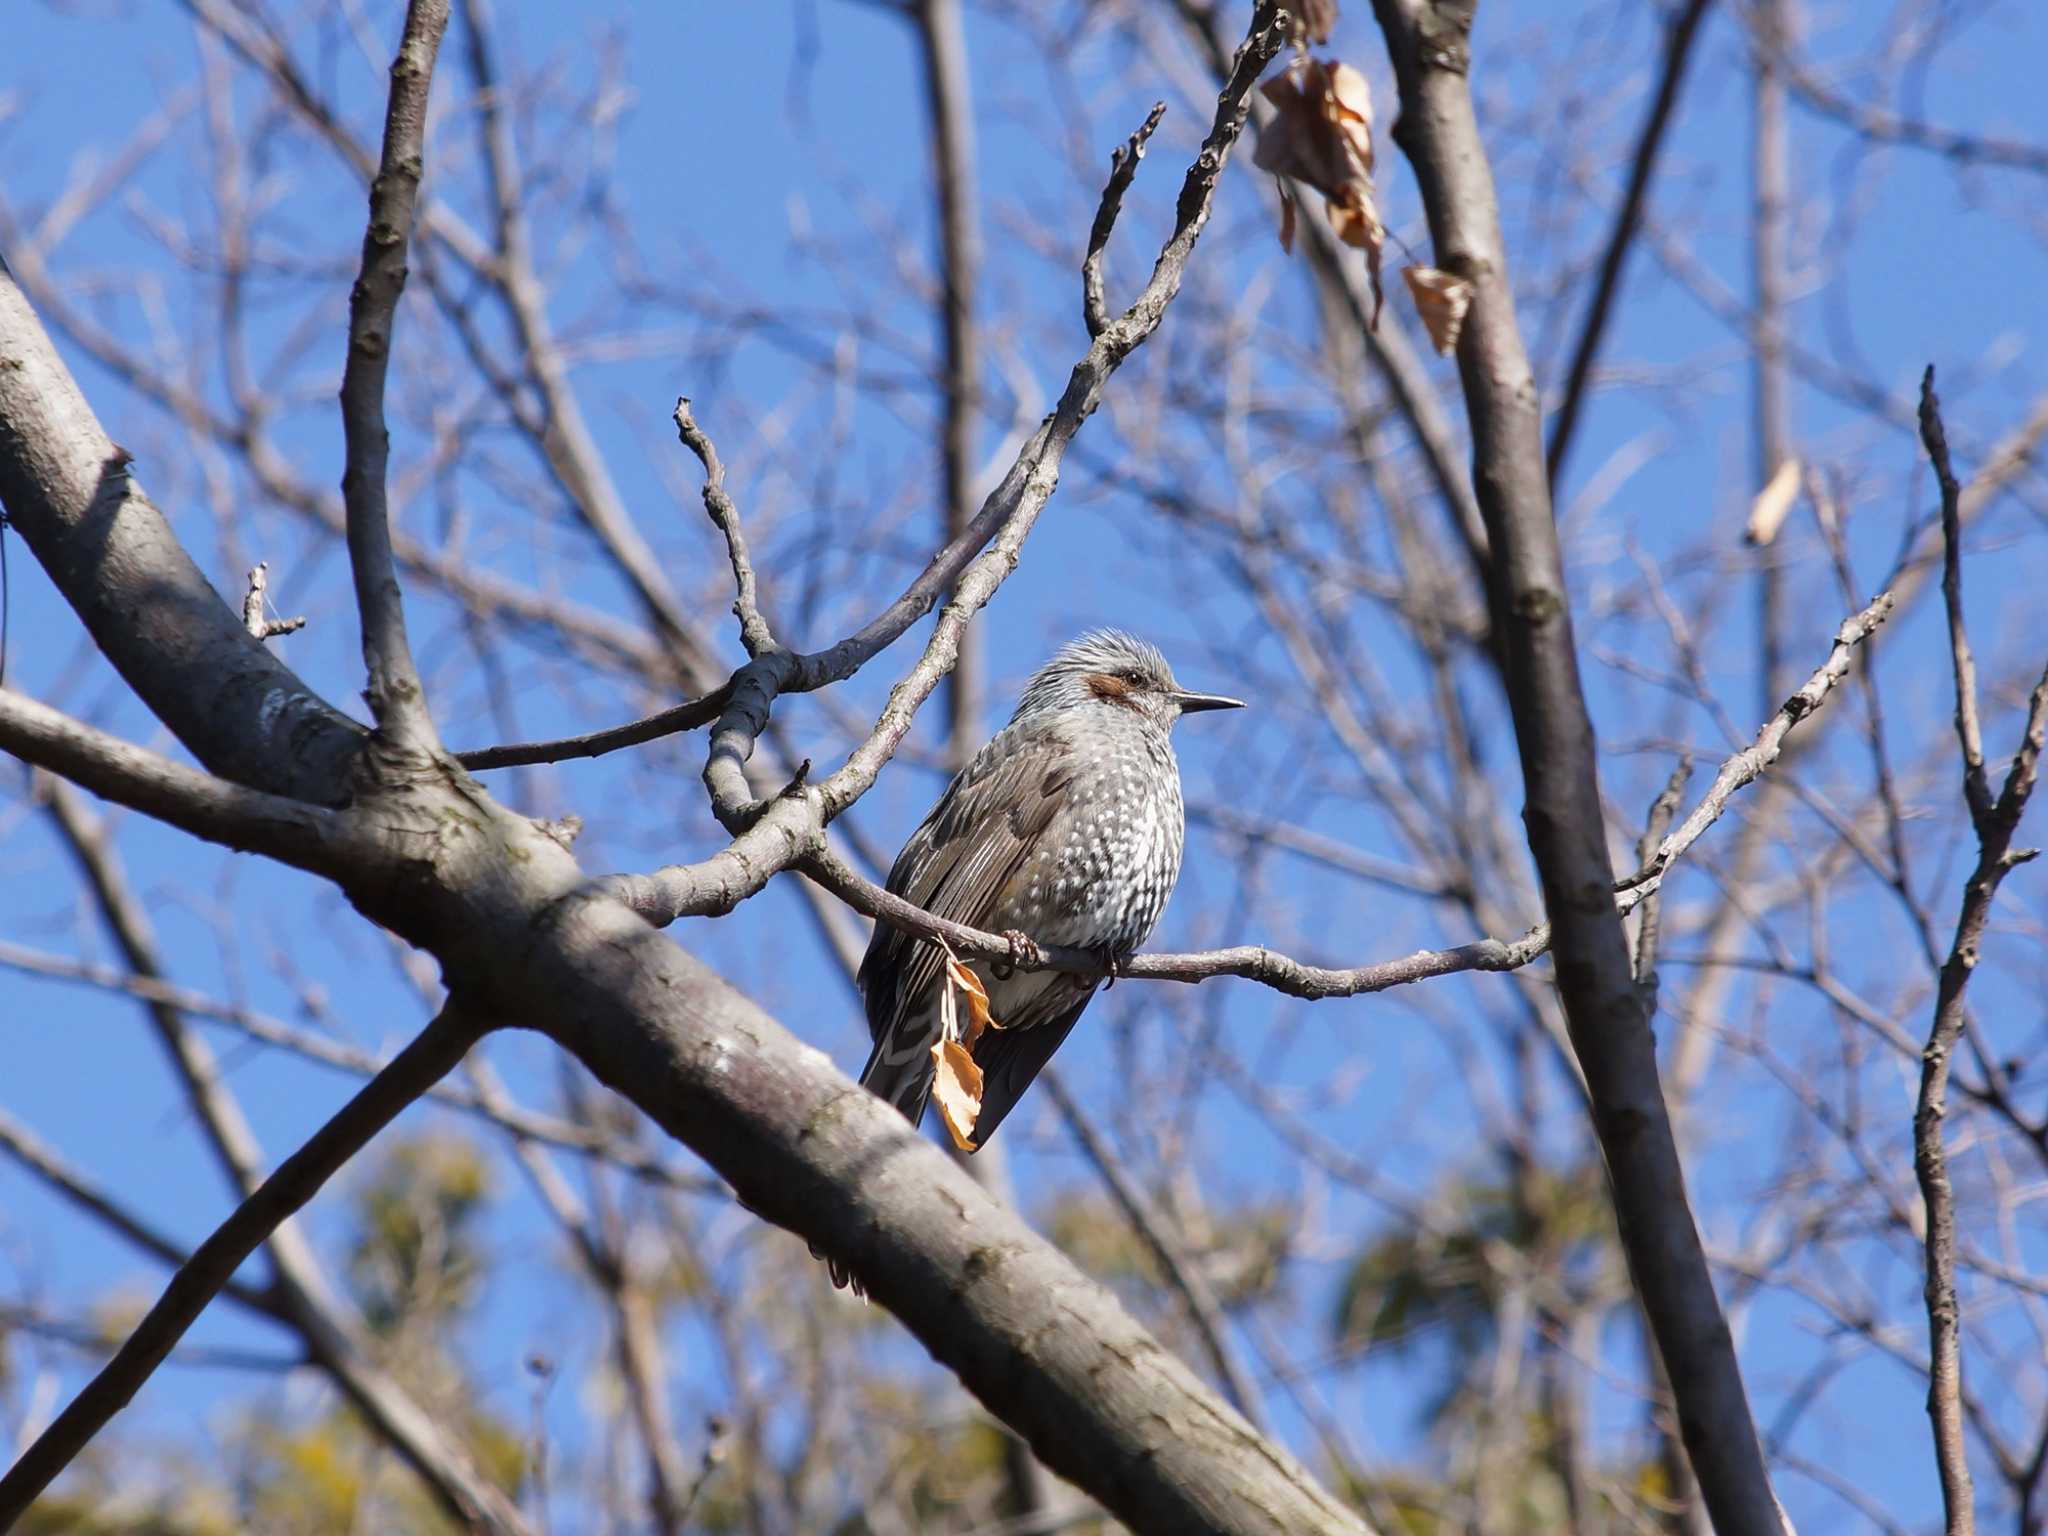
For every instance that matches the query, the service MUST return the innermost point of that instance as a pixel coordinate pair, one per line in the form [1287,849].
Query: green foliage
[328,1475]
[1450,1273]
[1242,1249]
[124,1490]
[414,1253]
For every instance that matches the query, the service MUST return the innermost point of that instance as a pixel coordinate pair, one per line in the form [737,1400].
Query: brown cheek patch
[1114,689]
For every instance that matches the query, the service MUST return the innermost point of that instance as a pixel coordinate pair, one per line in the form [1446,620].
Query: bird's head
[1108,669]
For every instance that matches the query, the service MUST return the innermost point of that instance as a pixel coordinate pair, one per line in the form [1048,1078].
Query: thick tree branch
[395,696]
[70,492]
[1050,1353]
[247,820]
[439,1047]
[1429,41]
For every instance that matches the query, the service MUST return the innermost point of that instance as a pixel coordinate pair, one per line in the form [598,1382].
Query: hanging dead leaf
[956,1089]
[1321,136]
[1767,512]
[1441,299]
[956,1079]
[976,995]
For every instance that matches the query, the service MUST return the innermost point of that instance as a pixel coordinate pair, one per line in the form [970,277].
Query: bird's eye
[1130,675]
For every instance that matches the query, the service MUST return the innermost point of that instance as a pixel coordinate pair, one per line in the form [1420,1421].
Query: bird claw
[1024,950]
[1112,963]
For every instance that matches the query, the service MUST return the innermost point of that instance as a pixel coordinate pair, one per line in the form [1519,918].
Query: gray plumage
[1067,829]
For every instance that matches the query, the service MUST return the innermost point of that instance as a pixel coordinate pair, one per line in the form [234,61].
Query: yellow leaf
[956,1089]
[1767,512]
[1441,300]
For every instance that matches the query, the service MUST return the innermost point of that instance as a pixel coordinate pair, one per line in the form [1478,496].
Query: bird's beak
[1192,703]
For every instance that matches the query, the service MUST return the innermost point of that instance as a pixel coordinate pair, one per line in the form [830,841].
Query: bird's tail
[899,1069]
[902,1074]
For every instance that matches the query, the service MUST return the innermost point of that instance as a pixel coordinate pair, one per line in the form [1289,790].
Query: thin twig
[1751,762]
[253,617]
[439,1047]
[1123,169]
[1995,822]
[1678,39]
[770,836]
[1655,825]
[1969,732]
[1181,1272]
[754,631]
[667,722]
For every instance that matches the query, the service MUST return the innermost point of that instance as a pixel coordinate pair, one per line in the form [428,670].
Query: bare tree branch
[772,836]
[394,692]
[1969,733]
[70,492]
[1123,170]
[667,722]
[1429,41]
[1679,33]
[248,820]
[1203,1310]
[1995,821]
[746,607]
[1314,982]
[439,1047]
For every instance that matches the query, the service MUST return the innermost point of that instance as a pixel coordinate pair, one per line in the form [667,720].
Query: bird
[1065,829]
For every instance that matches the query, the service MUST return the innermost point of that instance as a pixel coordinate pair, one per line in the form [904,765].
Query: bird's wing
[1010,1058]
[957,864]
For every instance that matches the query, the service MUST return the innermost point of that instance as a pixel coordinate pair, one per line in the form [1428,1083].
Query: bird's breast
[1109,857]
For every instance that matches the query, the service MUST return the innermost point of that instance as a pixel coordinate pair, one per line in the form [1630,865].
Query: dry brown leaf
[956,1089]
[956,1079]
[1767,512]
[1321,136]
[958,975]
[1441,299]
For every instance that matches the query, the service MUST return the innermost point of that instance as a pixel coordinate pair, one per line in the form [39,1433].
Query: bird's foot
[1112,960]
[1024,950]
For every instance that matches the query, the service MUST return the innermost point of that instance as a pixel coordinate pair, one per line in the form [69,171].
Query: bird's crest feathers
[1101,653]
